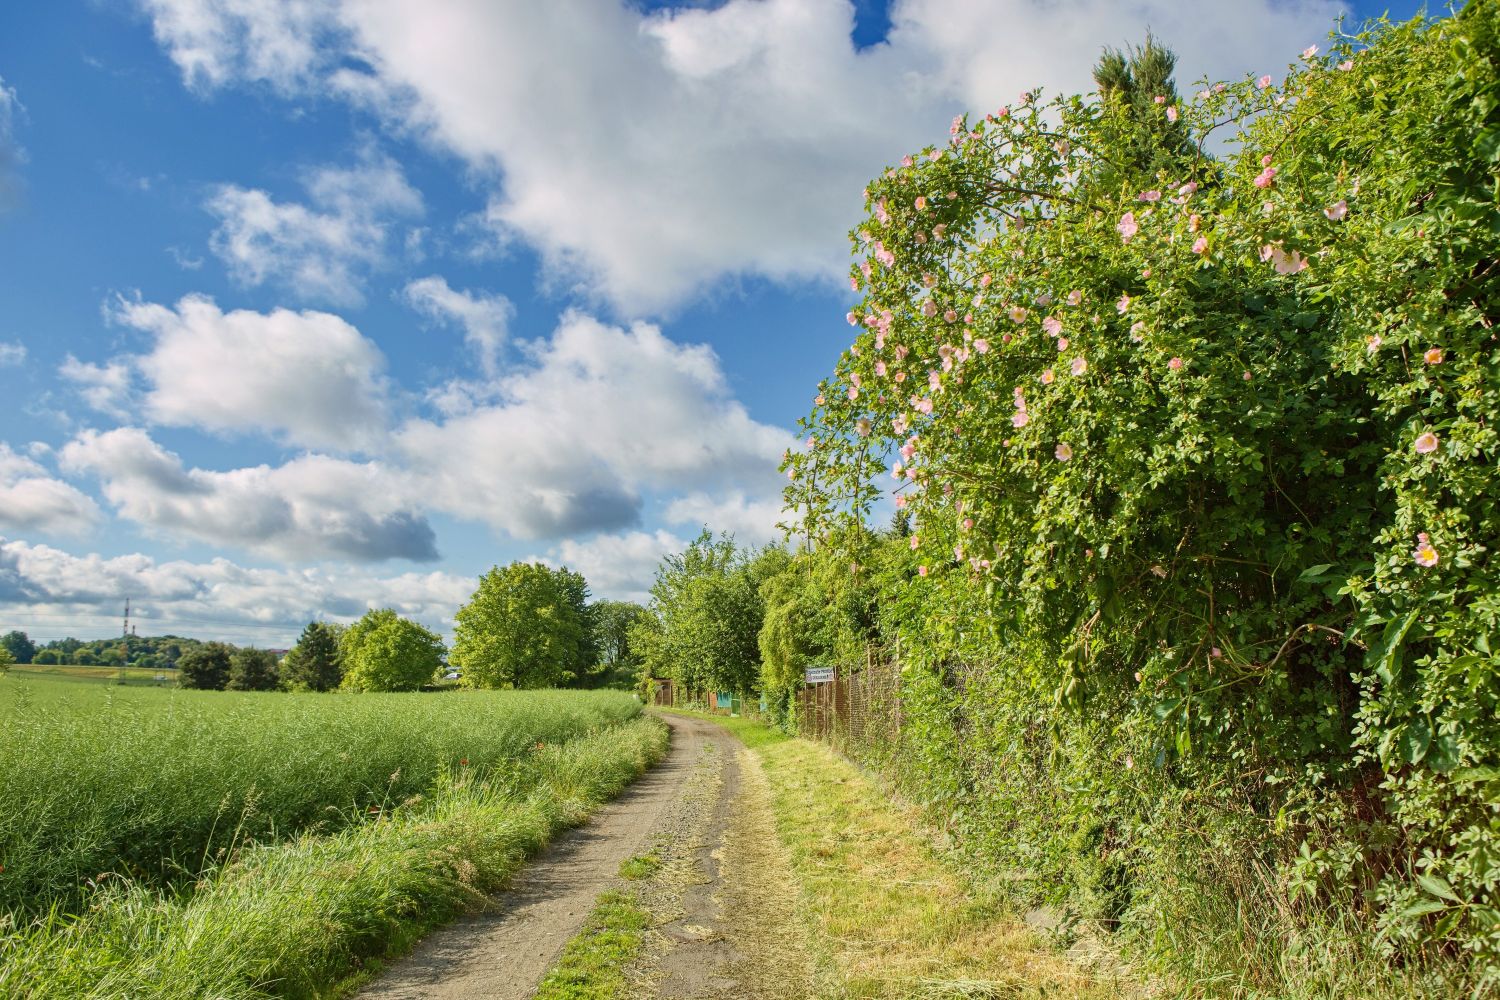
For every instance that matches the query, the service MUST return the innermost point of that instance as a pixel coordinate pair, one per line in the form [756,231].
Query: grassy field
[310,916]
[129,677]
[101,784]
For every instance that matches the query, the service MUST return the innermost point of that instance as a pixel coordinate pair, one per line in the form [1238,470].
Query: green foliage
[618,661]
[19,645]
[315,663]
[6,660]
[707,613]
[252,670]
[385,652]
[526,626]
[204,667]
[1199,455]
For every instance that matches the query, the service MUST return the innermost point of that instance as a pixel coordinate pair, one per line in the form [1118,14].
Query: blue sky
[311,307]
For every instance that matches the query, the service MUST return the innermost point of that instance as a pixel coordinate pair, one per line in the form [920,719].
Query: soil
[502,952]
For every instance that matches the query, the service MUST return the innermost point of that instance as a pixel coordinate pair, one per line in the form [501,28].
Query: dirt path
[503,952]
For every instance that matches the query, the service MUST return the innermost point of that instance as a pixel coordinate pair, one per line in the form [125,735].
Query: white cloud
[319,252]
[104,387]
[32,500]
[620,567]
[309,508]
[11,153]
[484,317]
[605,414]
[651,157]
[308,378]
[218,599]
[12,353]
[751,519]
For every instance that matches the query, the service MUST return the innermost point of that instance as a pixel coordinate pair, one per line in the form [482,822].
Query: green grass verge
[294,919]
[751,732]
[159,785]
[593,964]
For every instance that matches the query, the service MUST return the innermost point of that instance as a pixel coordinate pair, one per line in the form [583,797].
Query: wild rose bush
[1207,455]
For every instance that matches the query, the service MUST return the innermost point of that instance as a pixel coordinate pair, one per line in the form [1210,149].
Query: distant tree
[709,610]
[205,667]
[314,664]
[19,645]
[85,658]
[46,656]
[1138,91]
[617,663]
[526,626]
[252,670]
[385,652]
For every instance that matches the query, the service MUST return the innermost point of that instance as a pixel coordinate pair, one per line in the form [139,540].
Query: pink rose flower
[1424,553]
[1426,443]
[1337,210]
[1064,452]
[1128,227]
[1175,364]
[1433,355]
[1079,366]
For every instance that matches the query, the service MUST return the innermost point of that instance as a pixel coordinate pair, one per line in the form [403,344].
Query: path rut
[502,952]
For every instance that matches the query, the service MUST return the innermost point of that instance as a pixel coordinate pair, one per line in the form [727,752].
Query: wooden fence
[854,712]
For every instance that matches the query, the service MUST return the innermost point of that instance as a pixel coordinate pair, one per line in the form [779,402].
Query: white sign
[819,675]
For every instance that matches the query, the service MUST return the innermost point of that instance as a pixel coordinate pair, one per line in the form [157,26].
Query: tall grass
[296,918]
[100,783]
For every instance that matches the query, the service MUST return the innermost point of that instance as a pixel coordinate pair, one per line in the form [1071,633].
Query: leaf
[1415,740]
[1438,886]
[1313,572]
[1423,908]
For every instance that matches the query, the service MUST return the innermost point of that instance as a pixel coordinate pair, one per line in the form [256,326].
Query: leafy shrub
[1200,454]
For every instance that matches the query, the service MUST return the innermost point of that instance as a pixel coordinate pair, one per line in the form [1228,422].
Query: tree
[525,626]
[6,659]
[206,667]
[19,645]
[46,656]
[314,664]
[707,602]
[385,652]
[617,661]
[1142,122]
[252,670]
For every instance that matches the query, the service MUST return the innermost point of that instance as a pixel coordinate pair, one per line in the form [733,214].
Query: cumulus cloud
[32,500]
[619,567]
[218,599]
[320,252]
[751,519]
[603,414]
[106,387]
[12,353]
[311,507]
[307,378]
[484,317]
[651,156]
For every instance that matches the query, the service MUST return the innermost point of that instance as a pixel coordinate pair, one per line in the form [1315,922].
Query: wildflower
[897,469]
[1346,65]
[1172,113]
[818,399]
[968,524]
[812,441]
[1123,304]
[921,570]
[924,405]
[915,542]
[929,308]
[1266,252]
[1020,419]
[938,230]
[1265,178]
[1337,210]
[853,283]
[1062,343]
[880,368]
[1200,245]
[862,427]
[1017,314]
[1246,376]
[1195,222]
[1137,331]
[1127,227]
[1309,52]
[1426,443]
[984,281]
[1159,99]
[1052,325]
[852,317]
[1149,196]
[1047,377]
[1433,355]
[1064,452]
[950,316]
[853,392]
[1157,570]
[982,346]
[1287,263]
[1175,364]
[1079,366]
[1263,82]
[900,501]
[1075,297]
[1372,344]
[907,161]
[1424,553]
